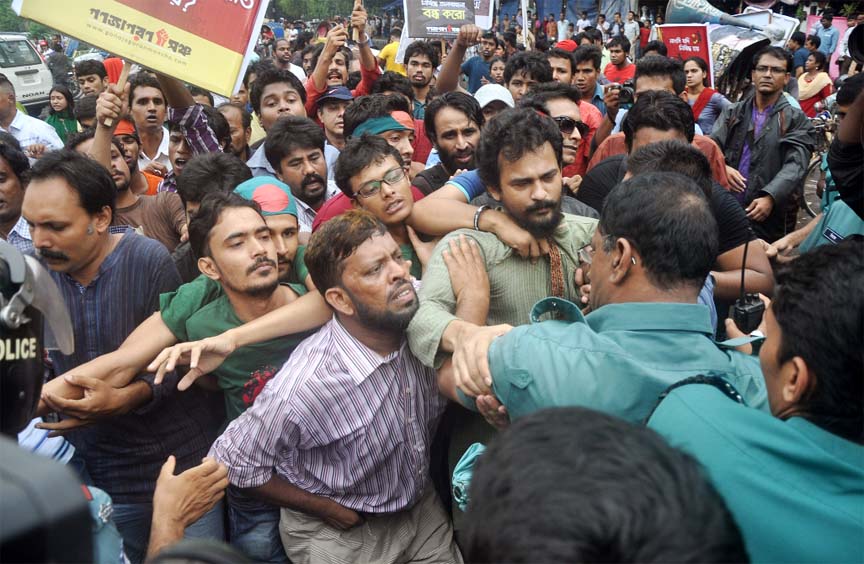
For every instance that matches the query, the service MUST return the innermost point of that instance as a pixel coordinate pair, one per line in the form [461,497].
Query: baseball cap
[335,93]
[273,195]
[125,127]
[567,45]
[492,92]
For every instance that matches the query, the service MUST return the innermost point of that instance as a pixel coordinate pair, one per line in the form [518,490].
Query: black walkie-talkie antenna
[743,267]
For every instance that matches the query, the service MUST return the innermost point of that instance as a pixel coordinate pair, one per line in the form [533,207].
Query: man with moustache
[282,59]
[237,254]
[295,149]
[240,127]
[453,123]
[142,182]
[159,217]
[305,447]
[111,283]
[519,159]
[422,60]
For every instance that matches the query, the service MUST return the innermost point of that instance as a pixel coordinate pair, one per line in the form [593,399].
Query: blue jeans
[133,522]
[255,533]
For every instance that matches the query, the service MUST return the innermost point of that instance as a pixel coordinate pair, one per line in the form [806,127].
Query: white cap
[492,92]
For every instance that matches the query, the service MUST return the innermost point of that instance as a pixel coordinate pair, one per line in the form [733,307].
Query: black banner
[437,19]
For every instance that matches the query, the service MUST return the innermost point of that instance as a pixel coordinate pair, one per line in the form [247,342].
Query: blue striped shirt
[342,422]
[123,454]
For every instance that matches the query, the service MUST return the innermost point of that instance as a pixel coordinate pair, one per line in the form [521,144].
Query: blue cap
[335,93]
[273,195]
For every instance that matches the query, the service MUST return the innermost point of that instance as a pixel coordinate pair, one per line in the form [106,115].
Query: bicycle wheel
[810,201]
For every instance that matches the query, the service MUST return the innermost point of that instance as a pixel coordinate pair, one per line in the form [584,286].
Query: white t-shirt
[31,131]
[582,24]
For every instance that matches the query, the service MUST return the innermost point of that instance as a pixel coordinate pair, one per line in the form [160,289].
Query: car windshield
[16,53]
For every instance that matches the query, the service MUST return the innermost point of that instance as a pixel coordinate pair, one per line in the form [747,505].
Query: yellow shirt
[258,132]
[388,55]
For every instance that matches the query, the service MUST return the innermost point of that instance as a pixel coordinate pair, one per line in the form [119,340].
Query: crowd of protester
[475,304]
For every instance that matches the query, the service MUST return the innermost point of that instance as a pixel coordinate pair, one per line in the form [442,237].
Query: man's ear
[340,301]
[102,219]
[494,191]
[623,259]
[209,269]
[798,380]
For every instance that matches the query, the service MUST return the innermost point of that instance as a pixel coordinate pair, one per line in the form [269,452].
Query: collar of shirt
[21,229]
[360,360]
[109,261]
[598,92]
[161,152]
[17,122]
[651,316]
[259,161]
[834,444]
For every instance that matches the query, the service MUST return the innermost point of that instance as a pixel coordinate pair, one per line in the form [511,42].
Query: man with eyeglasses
[768,143]
[370,172]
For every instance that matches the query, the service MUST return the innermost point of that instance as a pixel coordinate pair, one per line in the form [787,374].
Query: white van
[26,70]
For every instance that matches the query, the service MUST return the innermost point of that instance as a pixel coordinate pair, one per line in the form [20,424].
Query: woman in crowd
[496,70]
[706,102]
[62,113]
[814,84]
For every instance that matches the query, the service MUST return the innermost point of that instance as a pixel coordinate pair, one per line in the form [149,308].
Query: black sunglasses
[567,124]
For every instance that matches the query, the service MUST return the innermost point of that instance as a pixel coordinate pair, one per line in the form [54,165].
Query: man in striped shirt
[340,437]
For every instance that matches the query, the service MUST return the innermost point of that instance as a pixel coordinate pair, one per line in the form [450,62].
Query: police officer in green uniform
[793,479]
[654,246]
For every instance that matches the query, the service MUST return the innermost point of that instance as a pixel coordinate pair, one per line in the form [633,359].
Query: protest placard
[687,40]
[202,43]
[437,19]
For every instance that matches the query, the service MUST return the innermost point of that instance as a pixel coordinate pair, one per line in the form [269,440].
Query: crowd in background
[473,300]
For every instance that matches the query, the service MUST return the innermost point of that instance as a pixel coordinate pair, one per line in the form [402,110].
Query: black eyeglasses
[371,188]
[567,124]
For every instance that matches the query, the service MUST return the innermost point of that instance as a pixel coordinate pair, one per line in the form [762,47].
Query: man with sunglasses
[455,204]
[768,143]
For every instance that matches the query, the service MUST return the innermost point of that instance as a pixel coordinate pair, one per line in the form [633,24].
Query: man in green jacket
[654,246]
[793,479]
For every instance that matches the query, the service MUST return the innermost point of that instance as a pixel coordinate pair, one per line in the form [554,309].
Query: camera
[626,94]
[747,312]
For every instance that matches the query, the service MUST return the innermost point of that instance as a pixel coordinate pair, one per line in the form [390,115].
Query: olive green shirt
[515,284]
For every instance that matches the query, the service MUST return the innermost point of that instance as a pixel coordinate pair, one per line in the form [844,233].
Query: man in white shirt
[582,22]
[563,23]
[34,135]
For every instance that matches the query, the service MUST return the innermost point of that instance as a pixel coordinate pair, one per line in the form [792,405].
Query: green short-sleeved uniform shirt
[795,489]
[836,224]
[617,360]
[200,309]
[408,253]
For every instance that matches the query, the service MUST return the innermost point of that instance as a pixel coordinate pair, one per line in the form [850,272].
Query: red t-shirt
[339,204]
[614,74]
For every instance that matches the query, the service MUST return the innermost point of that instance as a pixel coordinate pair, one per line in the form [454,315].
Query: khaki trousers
[420,534]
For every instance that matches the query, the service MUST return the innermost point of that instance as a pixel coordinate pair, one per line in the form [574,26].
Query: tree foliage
[321,9]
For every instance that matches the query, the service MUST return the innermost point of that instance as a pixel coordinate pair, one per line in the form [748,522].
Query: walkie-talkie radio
[749,308]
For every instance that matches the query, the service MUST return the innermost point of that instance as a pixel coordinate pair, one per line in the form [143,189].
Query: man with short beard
[422,60]
[453,124]
[142,182]
[159,217]
[295,149]
[519,159]
[305,446]
[282,59]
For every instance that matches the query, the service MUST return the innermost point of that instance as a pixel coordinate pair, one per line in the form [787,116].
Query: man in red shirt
[619,69]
